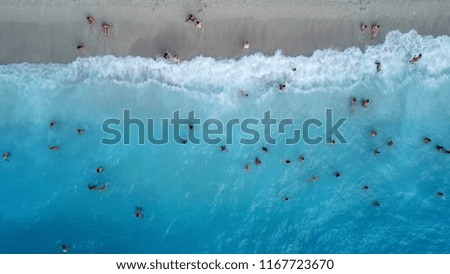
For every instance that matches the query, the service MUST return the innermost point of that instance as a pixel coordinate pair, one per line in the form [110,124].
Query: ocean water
[196,198]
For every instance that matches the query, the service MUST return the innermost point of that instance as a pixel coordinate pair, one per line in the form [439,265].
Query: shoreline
[45,32]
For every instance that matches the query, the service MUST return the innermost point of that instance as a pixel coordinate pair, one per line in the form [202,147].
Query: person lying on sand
[106,30]
[191,18]
[416,59]
[363,28]
[375,30]
[91,21]
[199,25]
[81,49]
[246,45]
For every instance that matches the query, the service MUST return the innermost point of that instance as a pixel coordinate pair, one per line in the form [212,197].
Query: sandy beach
[49,31]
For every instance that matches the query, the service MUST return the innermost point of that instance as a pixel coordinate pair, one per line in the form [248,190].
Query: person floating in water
[301,158]
[314,179]
[282,87]
[374,133]
[416,59]
[332,142]
[191,127]
[103,187]
[91,21]
[6,156]
[440,195]
[376,203]
[53,148]
[447,151]
[337,174]
[52,124]
[287,161]
[285,198]
[365,188]
[426,140]
[363,28]
[106,30]
[92,186]
[258,162]
[375,31]
[353,105]
[243,93]
[138,212]
[176,59]
[439,147]
[247,168]
[377,152]
[80,131]
[390,143]
[223,148]
[365,103]
[183,141]
[99,169]
[65,248]
[378,64]
[265,149]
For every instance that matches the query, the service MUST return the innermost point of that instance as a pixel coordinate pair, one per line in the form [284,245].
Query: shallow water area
[198,199]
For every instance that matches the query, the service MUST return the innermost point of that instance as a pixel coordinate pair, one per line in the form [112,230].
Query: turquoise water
[198,199]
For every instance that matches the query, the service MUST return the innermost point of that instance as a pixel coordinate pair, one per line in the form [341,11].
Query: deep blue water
[198,199]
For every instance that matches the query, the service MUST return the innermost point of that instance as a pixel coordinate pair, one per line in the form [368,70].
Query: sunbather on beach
[375,30]
[363,28]
[106,30]
[91,21]
[199,25]
[191,18]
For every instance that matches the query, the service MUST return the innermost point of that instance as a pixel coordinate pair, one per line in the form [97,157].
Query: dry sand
[50,30]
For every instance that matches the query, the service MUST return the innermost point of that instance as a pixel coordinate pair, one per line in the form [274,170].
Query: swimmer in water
[191,127]
[376,203]
[258,161]
[6,156]
[282,86]
[92,186]
[65,248]
[53,148]
[301,158]
[247,168]
[80,131]
[378,64]
[243,93]
[52,124]
[332,142]
[447,151]
[223,148]
[353,105]
[265,149]
[99,169]
[416,59]
[365,103]
[365,188]
[138,212]
[440,195]
[314,179]
[337,174]
[285,198]
[427,140]
[377,152]
[287,161]
[439,147]
[390,143]
[183,141]
[374,133]
[103,188]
